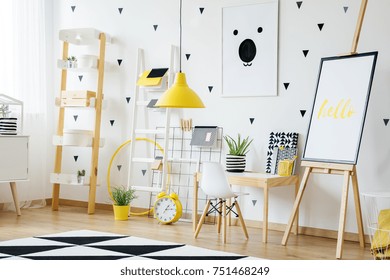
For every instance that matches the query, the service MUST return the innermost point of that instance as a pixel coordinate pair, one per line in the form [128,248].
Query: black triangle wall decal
[201,10]
[75,117]
[386,121]
[112,122]
[345,9]
[251,120]
[128,99]
[303,112]
[80,77]
[254,202]
[143,172]
[120,10]
[320,26]
[119,167]
[210,88]
[75,158]
[286,85]
[73,8]
[155,27]
[119,62]
[188,56]
[305,52]
[299,4]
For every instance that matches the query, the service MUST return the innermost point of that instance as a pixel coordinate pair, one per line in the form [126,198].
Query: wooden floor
[43,221]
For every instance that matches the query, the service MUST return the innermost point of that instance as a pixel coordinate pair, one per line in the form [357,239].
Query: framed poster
[339,109]
[250,50]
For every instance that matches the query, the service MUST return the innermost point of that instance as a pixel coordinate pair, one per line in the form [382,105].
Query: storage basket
[376,207]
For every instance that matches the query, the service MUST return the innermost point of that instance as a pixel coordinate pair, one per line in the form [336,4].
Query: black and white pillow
[277,140]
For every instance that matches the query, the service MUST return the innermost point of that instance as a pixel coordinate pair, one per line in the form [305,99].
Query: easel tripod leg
[296,204]
[343,213]
[358,209]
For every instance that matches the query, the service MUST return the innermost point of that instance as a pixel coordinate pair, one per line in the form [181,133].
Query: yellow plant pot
[121,213]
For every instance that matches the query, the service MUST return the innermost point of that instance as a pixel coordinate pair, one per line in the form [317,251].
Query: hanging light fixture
[180,95]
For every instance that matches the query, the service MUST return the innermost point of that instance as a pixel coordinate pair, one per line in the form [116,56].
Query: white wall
[298,29]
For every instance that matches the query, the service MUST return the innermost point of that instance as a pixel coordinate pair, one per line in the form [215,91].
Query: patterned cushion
[277,140]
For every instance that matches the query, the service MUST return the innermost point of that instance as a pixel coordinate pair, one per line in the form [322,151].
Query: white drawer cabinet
[14,163]
[14,158]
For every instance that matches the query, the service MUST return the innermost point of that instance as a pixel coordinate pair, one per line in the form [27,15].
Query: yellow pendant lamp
[180,95]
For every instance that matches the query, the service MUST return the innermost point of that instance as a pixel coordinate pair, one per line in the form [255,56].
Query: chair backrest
[214,182]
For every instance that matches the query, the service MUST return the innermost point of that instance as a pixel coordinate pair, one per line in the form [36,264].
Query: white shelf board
[68,179]
[81,36]
[75,139]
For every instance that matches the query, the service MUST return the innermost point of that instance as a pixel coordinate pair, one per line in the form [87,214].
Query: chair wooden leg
[219,216]
[241,219]
[224,221]
[202,219]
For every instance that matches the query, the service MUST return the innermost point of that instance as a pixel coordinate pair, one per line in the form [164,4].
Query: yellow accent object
[145,81]
[113,157]
[167,208]
[121,212]
[380,244]
[285,167]
[180,95]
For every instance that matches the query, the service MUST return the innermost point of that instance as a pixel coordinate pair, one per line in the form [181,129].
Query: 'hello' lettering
[342,110]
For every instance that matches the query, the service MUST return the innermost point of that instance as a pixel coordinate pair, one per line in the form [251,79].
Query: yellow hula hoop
[112,159]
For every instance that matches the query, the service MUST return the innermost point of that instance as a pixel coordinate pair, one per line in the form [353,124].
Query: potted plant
[71,62]
[238,148]
[80,176]
[122,198]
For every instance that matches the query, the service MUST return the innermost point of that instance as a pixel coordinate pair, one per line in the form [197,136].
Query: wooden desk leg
[296,221]
[15,197]
[195,202]
[265,215]
[343,213]
[358,209]
[296,204]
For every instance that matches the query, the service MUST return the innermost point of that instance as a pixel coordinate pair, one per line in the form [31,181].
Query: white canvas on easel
[339,109]
[250,50]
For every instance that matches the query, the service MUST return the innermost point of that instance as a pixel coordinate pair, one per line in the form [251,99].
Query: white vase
[235,163]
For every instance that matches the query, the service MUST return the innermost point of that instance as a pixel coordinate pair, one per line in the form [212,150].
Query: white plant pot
[80,179]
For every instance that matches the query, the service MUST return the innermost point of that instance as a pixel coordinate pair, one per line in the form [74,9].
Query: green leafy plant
[81,172]
[238,147]
[72,58]
[122,196]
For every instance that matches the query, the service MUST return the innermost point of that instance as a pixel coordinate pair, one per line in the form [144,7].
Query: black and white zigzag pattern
[94,245]
[277,140]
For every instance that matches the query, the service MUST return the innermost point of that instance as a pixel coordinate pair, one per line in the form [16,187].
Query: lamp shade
[179,95]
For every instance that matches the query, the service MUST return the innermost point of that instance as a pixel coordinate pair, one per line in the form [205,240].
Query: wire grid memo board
[184,160]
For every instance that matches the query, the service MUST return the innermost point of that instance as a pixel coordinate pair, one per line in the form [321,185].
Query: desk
[252,179]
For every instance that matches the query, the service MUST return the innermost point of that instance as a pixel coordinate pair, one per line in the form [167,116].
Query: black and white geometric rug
[94,245]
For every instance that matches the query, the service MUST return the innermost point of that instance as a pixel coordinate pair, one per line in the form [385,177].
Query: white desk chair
[215,185]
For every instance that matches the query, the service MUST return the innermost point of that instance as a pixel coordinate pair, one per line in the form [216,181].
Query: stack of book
[8,126]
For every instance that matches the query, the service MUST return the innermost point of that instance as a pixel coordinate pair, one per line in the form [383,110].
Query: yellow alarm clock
[167,208]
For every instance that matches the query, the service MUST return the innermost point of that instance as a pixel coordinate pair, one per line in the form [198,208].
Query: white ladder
[141,101]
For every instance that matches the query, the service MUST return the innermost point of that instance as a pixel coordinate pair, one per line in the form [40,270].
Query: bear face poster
[339,109]
[250,50]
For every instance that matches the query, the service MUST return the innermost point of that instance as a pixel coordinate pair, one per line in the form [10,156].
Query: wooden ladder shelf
[80,99]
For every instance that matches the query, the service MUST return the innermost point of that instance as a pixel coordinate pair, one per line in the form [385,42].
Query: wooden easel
[347,170]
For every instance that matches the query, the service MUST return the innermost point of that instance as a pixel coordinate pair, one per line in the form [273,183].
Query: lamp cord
[181,4]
